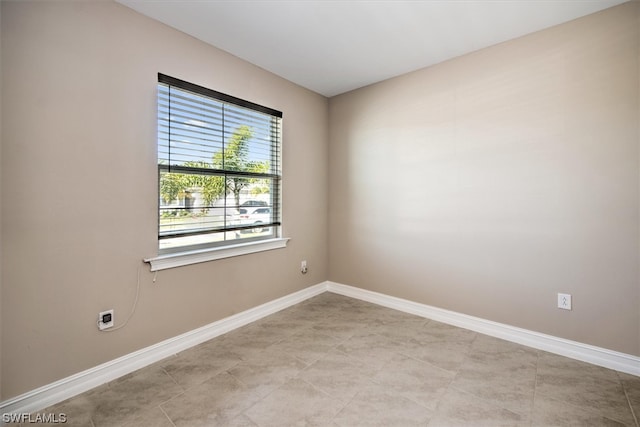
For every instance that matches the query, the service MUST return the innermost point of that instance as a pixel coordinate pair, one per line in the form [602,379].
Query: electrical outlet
[105,319]
[303,267]
[564,301]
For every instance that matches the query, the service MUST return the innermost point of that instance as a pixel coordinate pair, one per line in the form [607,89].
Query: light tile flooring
[336,361]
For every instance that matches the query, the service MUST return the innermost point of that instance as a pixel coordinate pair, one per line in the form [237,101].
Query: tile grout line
[624,389]
[589,410]
[344,405]
[166,415]
[535,389]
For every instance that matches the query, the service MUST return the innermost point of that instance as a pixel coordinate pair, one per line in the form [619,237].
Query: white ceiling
[332,46]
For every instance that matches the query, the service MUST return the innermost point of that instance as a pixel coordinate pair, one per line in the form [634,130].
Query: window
[218,168]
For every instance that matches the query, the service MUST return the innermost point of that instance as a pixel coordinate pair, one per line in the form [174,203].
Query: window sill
[164,262]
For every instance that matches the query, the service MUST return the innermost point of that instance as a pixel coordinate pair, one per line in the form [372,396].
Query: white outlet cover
[564,301]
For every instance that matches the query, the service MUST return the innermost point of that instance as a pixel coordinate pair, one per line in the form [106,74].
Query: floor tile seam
[260,399]
[332,341]
[363,378]
[325,347]
[184,390]
[320,348]
[151,406]
[342,338]
[586,380]
[395,340]
[244,413]
[535,386]
[431,411]
[248,355]
[337,342]
[270,346]
[391,340]
[621,374]
[452,382]
[340,402]
[595,373]
[347,355]
[205,378]
[276,338]
[238,380]
[417,402]
[167,401]
[438,406]
[589,410]
[404,351]
[430,365]
[437,340]
[511,351]
[307,364]
[496,400]
[308,367]
[360,367]
[623,381]
[160,405]
[421,320]
[167,416]
[344,406]
[378,349]
[308,329]
[175,381]
[319,390]
[633,412]
[455,373]
[476,371]
[489,402]
[245,410]
[91,395]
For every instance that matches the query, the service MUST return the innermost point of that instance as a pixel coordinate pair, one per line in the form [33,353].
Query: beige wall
[80,193]
[489,183]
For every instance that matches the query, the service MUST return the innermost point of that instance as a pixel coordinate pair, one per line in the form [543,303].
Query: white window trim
[180,259]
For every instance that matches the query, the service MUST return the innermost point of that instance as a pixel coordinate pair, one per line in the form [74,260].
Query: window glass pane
[219,171]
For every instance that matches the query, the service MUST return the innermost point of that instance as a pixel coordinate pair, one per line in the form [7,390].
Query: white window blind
[219,169]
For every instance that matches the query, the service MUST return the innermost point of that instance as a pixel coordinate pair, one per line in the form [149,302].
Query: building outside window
[219,171]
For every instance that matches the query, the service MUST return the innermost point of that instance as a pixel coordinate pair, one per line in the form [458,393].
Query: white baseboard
[73,385]
[587,353]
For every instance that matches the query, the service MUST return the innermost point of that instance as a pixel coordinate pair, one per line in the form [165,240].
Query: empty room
[328,213]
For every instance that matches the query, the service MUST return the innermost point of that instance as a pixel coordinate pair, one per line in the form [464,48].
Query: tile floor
[336,361]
